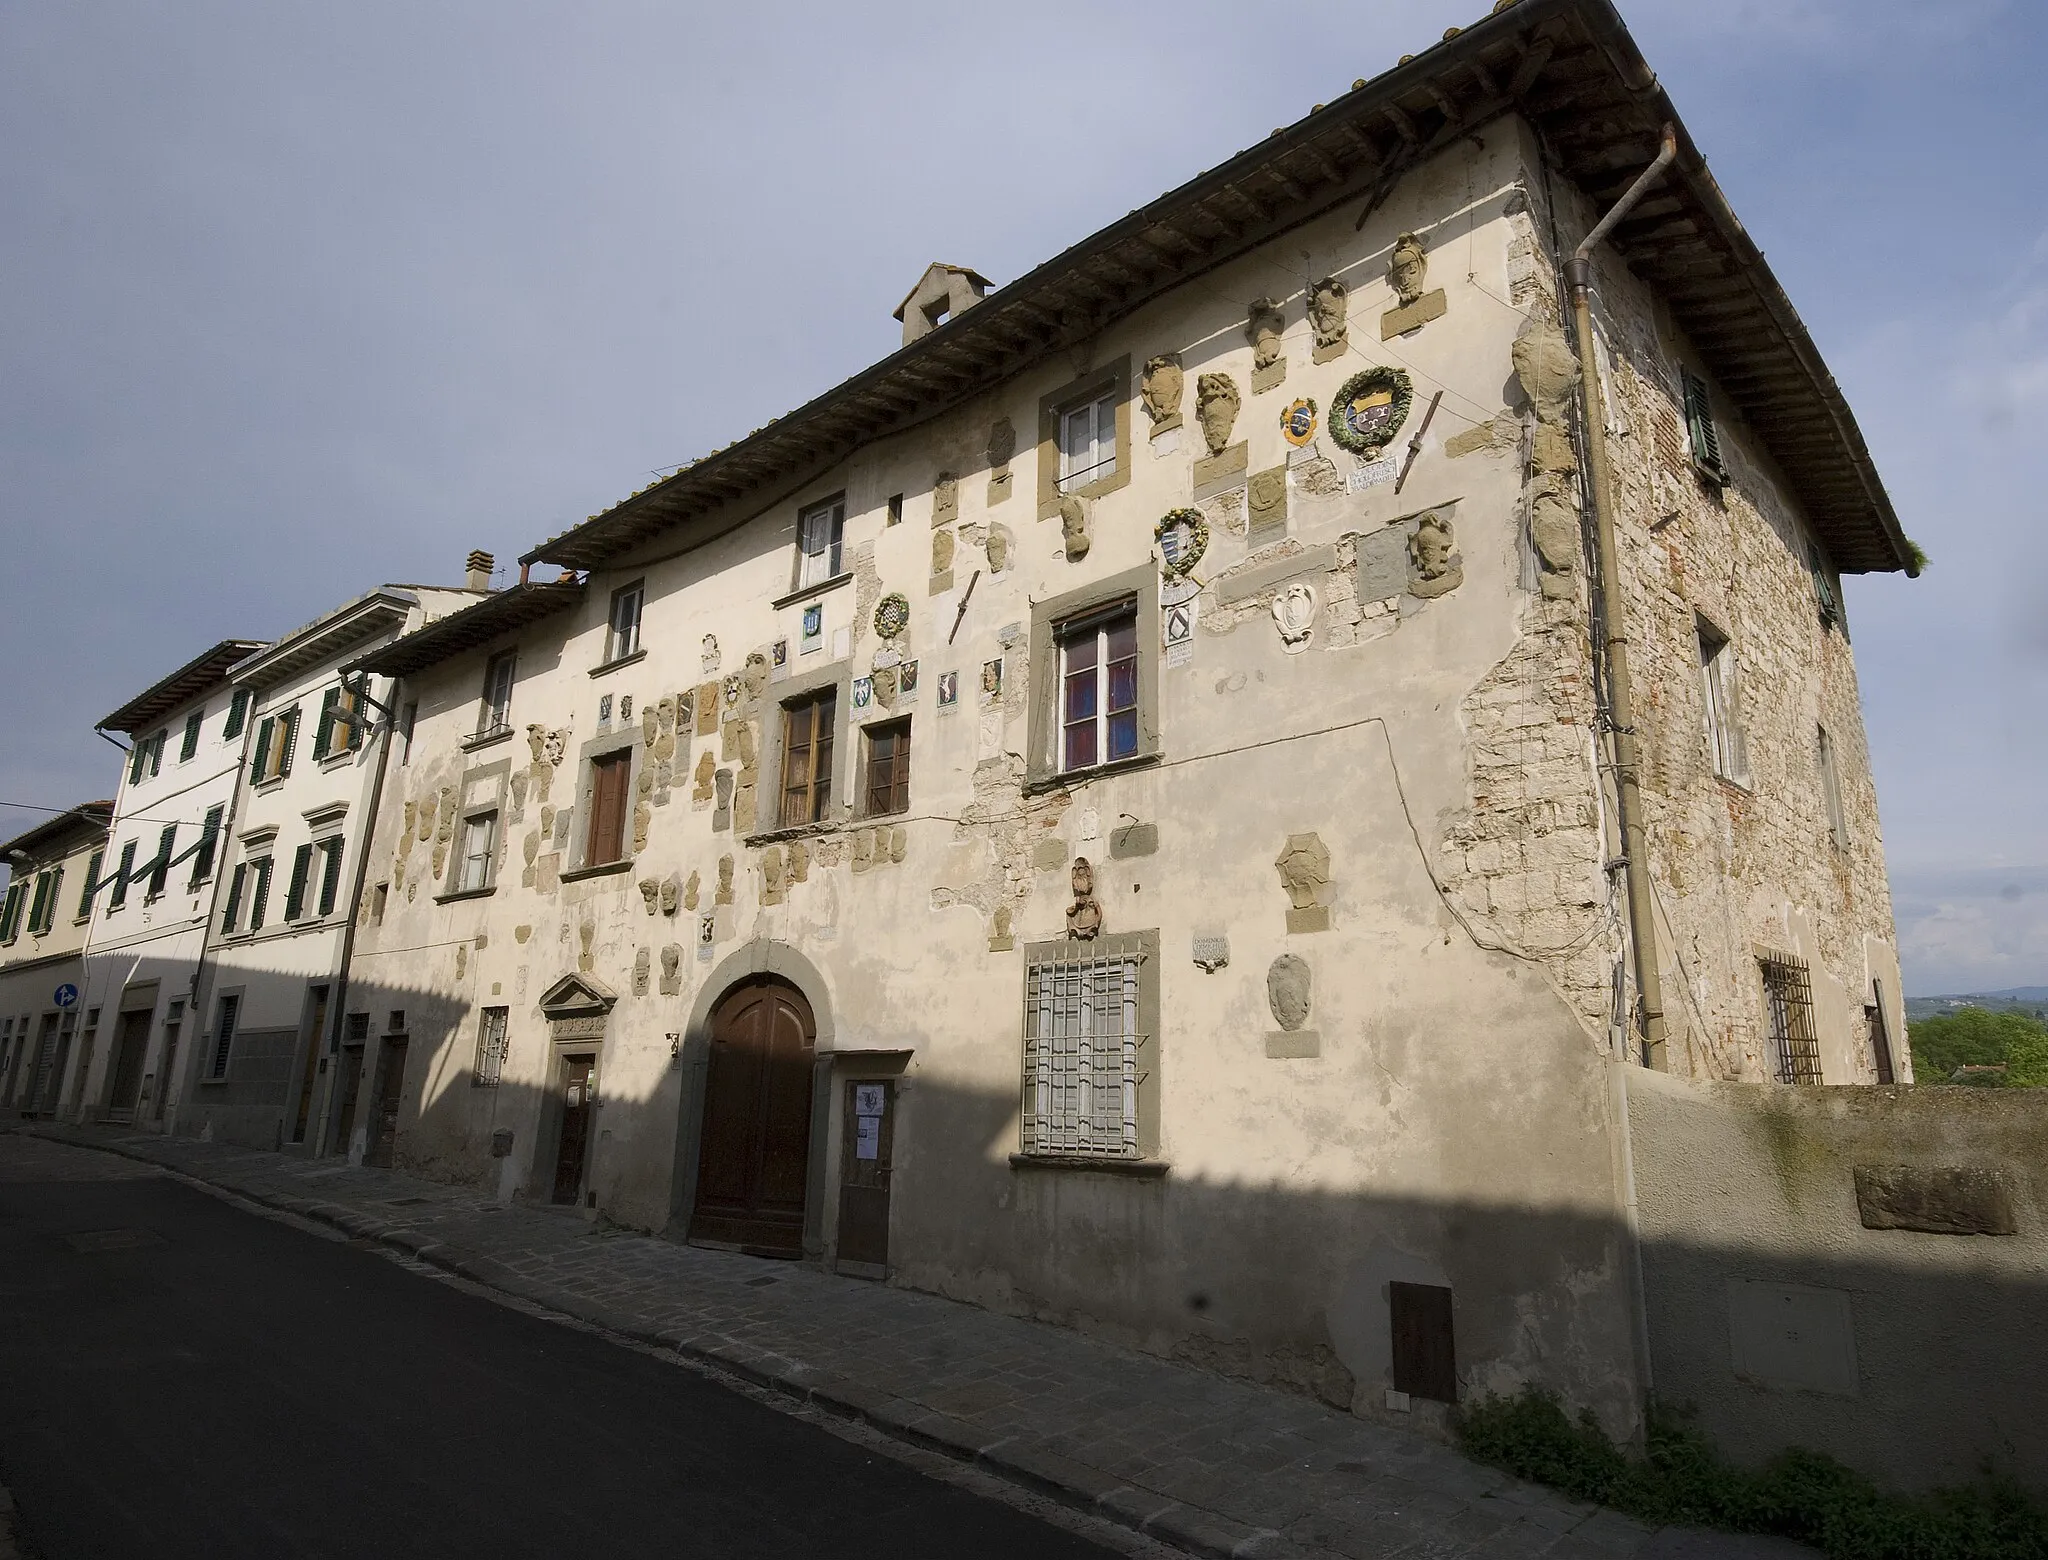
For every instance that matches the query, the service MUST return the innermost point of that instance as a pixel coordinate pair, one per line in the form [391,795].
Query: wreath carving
[1370,409]
[892,615]
[1182,557]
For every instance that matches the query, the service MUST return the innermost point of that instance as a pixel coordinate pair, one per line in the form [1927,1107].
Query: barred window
[1788,997]
[490,1047]
[1090,1047]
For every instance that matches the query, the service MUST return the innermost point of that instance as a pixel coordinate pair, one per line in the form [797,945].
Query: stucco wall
[1745,1191]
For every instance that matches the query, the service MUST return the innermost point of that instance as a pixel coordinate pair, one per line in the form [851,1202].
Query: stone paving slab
[1212,1466]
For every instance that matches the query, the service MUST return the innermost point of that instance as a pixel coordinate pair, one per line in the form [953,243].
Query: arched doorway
[754,1163]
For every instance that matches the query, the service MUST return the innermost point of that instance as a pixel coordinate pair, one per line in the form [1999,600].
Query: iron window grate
[1789,996]
[1081,1041]
[490,1048]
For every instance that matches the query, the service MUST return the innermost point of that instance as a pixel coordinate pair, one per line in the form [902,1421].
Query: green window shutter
[238,713]
[122,874]
[1823,586]
[289,740]
[1699,422]
[295,894]
[160,869]
[92,883]
[209,843]
[234,904]
[36,924]
[156,754]
[259,895]
[50,907]
[264,733]
[323,734]
[330,875]
[137,757]
[191,743]
[10,913]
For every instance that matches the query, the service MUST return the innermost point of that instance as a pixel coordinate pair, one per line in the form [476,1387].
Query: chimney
[942,292]
[480,566]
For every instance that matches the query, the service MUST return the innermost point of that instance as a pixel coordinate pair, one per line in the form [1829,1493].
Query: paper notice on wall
[867,1137]
[867,1099]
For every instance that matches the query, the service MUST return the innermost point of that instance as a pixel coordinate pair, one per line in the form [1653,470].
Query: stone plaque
[1942,1201]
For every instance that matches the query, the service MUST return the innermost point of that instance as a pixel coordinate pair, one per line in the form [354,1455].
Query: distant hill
[2023,999]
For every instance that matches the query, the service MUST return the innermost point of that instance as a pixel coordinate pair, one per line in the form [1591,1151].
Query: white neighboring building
[42,937]
[260,1071]
[151,907]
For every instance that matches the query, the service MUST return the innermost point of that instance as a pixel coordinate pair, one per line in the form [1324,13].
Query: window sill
[470,893]
[1053,781]
[806,592]
[335,759]
[492,738]
[1102,1164]
[613,666]
[1739,787]
[794,831]
[606,869]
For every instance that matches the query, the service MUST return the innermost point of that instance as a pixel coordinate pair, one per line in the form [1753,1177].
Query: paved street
[181,1377]
[342,1369]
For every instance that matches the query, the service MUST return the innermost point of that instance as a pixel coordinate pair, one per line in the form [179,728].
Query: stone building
[271,1065]
[1109,813]
[167,836]
[51,868]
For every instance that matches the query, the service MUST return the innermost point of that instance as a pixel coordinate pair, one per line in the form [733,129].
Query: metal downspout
[1621,704]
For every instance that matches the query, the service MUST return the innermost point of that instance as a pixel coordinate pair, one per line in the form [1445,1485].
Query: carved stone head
[1288,985]
[942,551]
[1074,528]
[997,547]
[1082,877]
[1162,387]
[1408,268]
[1002,442]
[1431,547]
[771,870]
[945,493]
[1263,329]
[754,675]
[1216,404]
[1328,304]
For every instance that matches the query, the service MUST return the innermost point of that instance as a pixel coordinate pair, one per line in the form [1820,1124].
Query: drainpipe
[1621,705]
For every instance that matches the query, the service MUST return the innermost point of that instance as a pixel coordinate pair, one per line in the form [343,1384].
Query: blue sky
[298,299]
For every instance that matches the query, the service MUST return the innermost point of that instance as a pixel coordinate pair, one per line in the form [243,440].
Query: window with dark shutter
[259,893]
[122,874]
[238,713]
[259,762]
[92,883]
[295,892]
[234,904]
[888,769]
[1425,1357]
[1699,422]
[39,909]
[807,757]
[495,714]
[160,868]
[224,1034]
[10,913]
[323,734]
[330,874]
[190,745]
[137,757]
[288,738]
[1823,586]
[209,845]
[606,838]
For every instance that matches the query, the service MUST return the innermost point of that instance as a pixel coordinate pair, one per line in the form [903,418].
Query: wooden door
[864,1163]
[754,1163]
[309,1064]
[130,1046]
[351,1085]
[384,1122]
[166,1069]
[577,1113]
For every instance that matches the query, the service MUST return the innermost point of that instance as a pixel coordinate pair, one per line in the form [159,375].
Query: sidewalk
[1210,1465]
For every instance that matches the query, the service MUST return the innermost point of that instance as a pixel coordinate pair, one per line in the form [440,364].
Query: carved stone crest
[1288,991]
[1084,915]
[1216,404]
[1408,274]
[1370,409]
[1161,390]
[945,498]
[708,655]
[1263,329]
[997,547]
[1304,868]
[1294,613]
[1433,560]
[1329,304]
[1074,528]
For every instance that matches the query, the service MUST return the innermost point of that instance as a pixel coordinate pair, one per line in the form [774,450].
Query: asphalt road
[179,1377]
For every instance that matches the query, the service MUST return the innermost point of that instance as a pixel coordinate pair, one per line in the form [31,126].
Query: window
[43,914]
[820,535]
[357,1029]
[295,891]
[407,719]
[1831,791]
[895,509]
[1088,443]
[10,911]
[233,908]
[259,892]
[1788,998]
[146,759]
[1090,1018]
[622,636]
[190,745]
[92,883]
[1727,747]
[275,739]
[1880,1035]
[1824,595]
[379,898]
[1099,689]
[341,722]
[490,1047]
[122,874]
[605,839]
[479,848]
[238,713]
[495,714]
[330,874]
[160,865]
[224,1034]
[209,845]
[807,757]
[1699,425]
[888,769]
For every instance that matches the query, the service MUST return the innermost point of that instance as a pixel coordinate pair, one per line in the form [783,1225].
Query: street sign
[67,995]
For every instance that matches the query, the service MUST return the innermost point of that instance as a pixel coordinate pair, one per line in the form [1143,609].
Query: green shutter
[50,909]
[238,713]
[137,756]
[92,883]
[1699,421]
[323,735]
[1823,587]
[10,913]
[259,896]
[160,869]
[295,894]
[263,734]
[122,874]
[209,841]
[234,905]
[290,721]
[156,754]
[191,744]
[330,875]
[36,924]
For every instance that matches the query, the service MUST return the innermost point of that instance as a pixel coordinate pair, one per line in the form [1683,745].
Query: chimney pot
[480,566]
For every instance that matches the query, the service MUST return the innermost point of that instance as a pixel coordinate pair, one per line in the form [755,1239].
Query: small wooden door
[864,1162]
[130,1046]
[384,1123]
[578,1111]
[753,1167]
[351,1085]
[167,1067]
